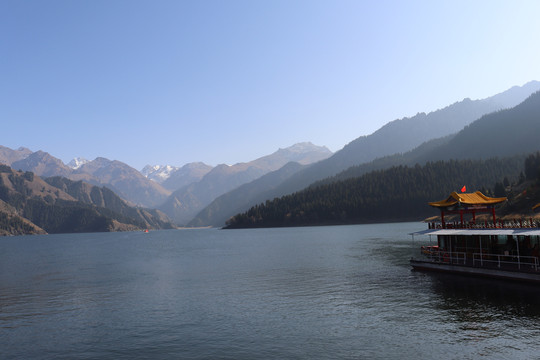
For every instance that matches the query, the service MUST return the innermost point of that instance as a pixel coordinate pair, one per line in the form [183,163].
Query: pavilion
[467,203]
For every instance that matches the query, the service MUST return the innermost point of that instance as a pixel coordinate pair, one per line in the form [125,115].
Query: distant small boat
[145,230]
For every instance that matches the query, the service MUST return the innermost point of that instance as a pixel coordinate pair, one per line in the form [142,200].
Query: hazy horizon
[173,82]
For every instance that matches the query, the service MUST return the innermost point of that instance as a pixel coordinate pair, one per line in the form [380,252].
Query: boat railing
[445,257]
[507,262]
[514,224]
[484,260]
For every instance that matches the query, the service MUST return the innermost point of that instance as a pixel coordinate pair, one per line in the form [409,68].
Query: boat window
[442,241]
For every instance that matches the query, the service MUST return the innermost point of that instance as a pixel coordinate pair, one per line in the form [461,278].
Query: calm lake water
[340,292]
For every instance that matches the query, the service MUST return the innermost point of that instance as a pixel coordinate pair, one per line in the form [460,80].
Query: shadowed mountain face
[185,203]
[400,193]
[404,135]
[481,154]
[105,198]
[30,204]
[505,133]
[396,137]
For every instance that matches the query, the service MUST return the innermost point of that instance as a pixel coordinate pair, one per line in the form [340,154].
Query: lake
[337,292]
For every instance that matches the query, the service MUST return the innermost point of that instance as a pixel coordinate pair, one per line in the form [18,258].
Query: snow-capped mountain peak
[77,163]
[158,173]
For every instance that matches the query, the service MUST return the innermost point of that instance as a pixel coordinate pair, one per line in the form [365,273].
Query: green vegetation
[532,166]
[66,216]
[14,225]
[396,194]
[526,193]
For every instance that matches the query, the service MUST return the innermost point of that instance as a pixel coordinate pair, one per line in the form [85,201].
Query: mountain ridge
[187,174]
[120,177]
[186,202]
[397,136]
[417,130]
[506,134]
[235,201]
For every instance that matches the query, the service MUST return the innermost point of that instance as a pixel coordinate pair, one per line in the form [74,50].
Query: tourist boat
[489,248]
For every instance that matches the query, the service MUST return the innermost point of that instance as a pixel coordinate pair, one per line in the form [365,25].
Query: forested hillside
[405,134]
[396,194]
[523,197]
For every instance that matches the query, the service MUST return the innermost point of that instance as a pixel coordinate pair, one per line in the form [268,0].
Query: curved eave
[472,199]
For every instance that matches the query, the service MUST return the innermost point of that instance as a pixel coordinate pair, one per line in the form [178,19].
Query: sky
[228,81]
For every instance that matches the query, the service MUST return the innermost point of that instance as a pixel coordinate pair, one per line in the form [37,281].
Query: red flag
[464,188]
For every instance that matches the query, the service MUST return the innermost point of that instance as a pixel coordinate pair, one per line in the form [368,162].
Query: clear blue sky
[171,82]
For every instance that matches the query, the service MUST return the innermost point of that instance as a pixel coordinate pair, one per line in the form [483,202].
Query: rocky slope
[30,205]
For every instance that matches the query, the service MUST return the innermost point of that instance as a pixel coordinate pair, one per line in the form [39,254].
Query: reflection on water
[487,298]
[343,292]
[491,308]
[496,318]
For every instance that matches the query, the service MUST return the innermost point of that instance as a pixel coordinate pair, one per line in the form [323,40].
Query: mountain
[186,202]
[127,182]
[186,175]
[302,153]
[11,223]
[505,134]
[391,139]
[42,164]
[241,198]
[9,156]
[404,135]
[77,163]
[397,194]
[106,198]
[30,204]
[158,173]
[525,195]
[380,150]
[515,95]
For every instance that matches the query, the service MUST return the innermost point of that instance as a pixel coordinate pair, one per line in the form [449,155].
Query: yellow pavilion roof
[476,198]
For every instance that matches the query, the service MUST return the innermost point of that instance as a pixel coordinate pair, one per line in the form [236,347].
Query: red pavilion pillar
[442,219]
